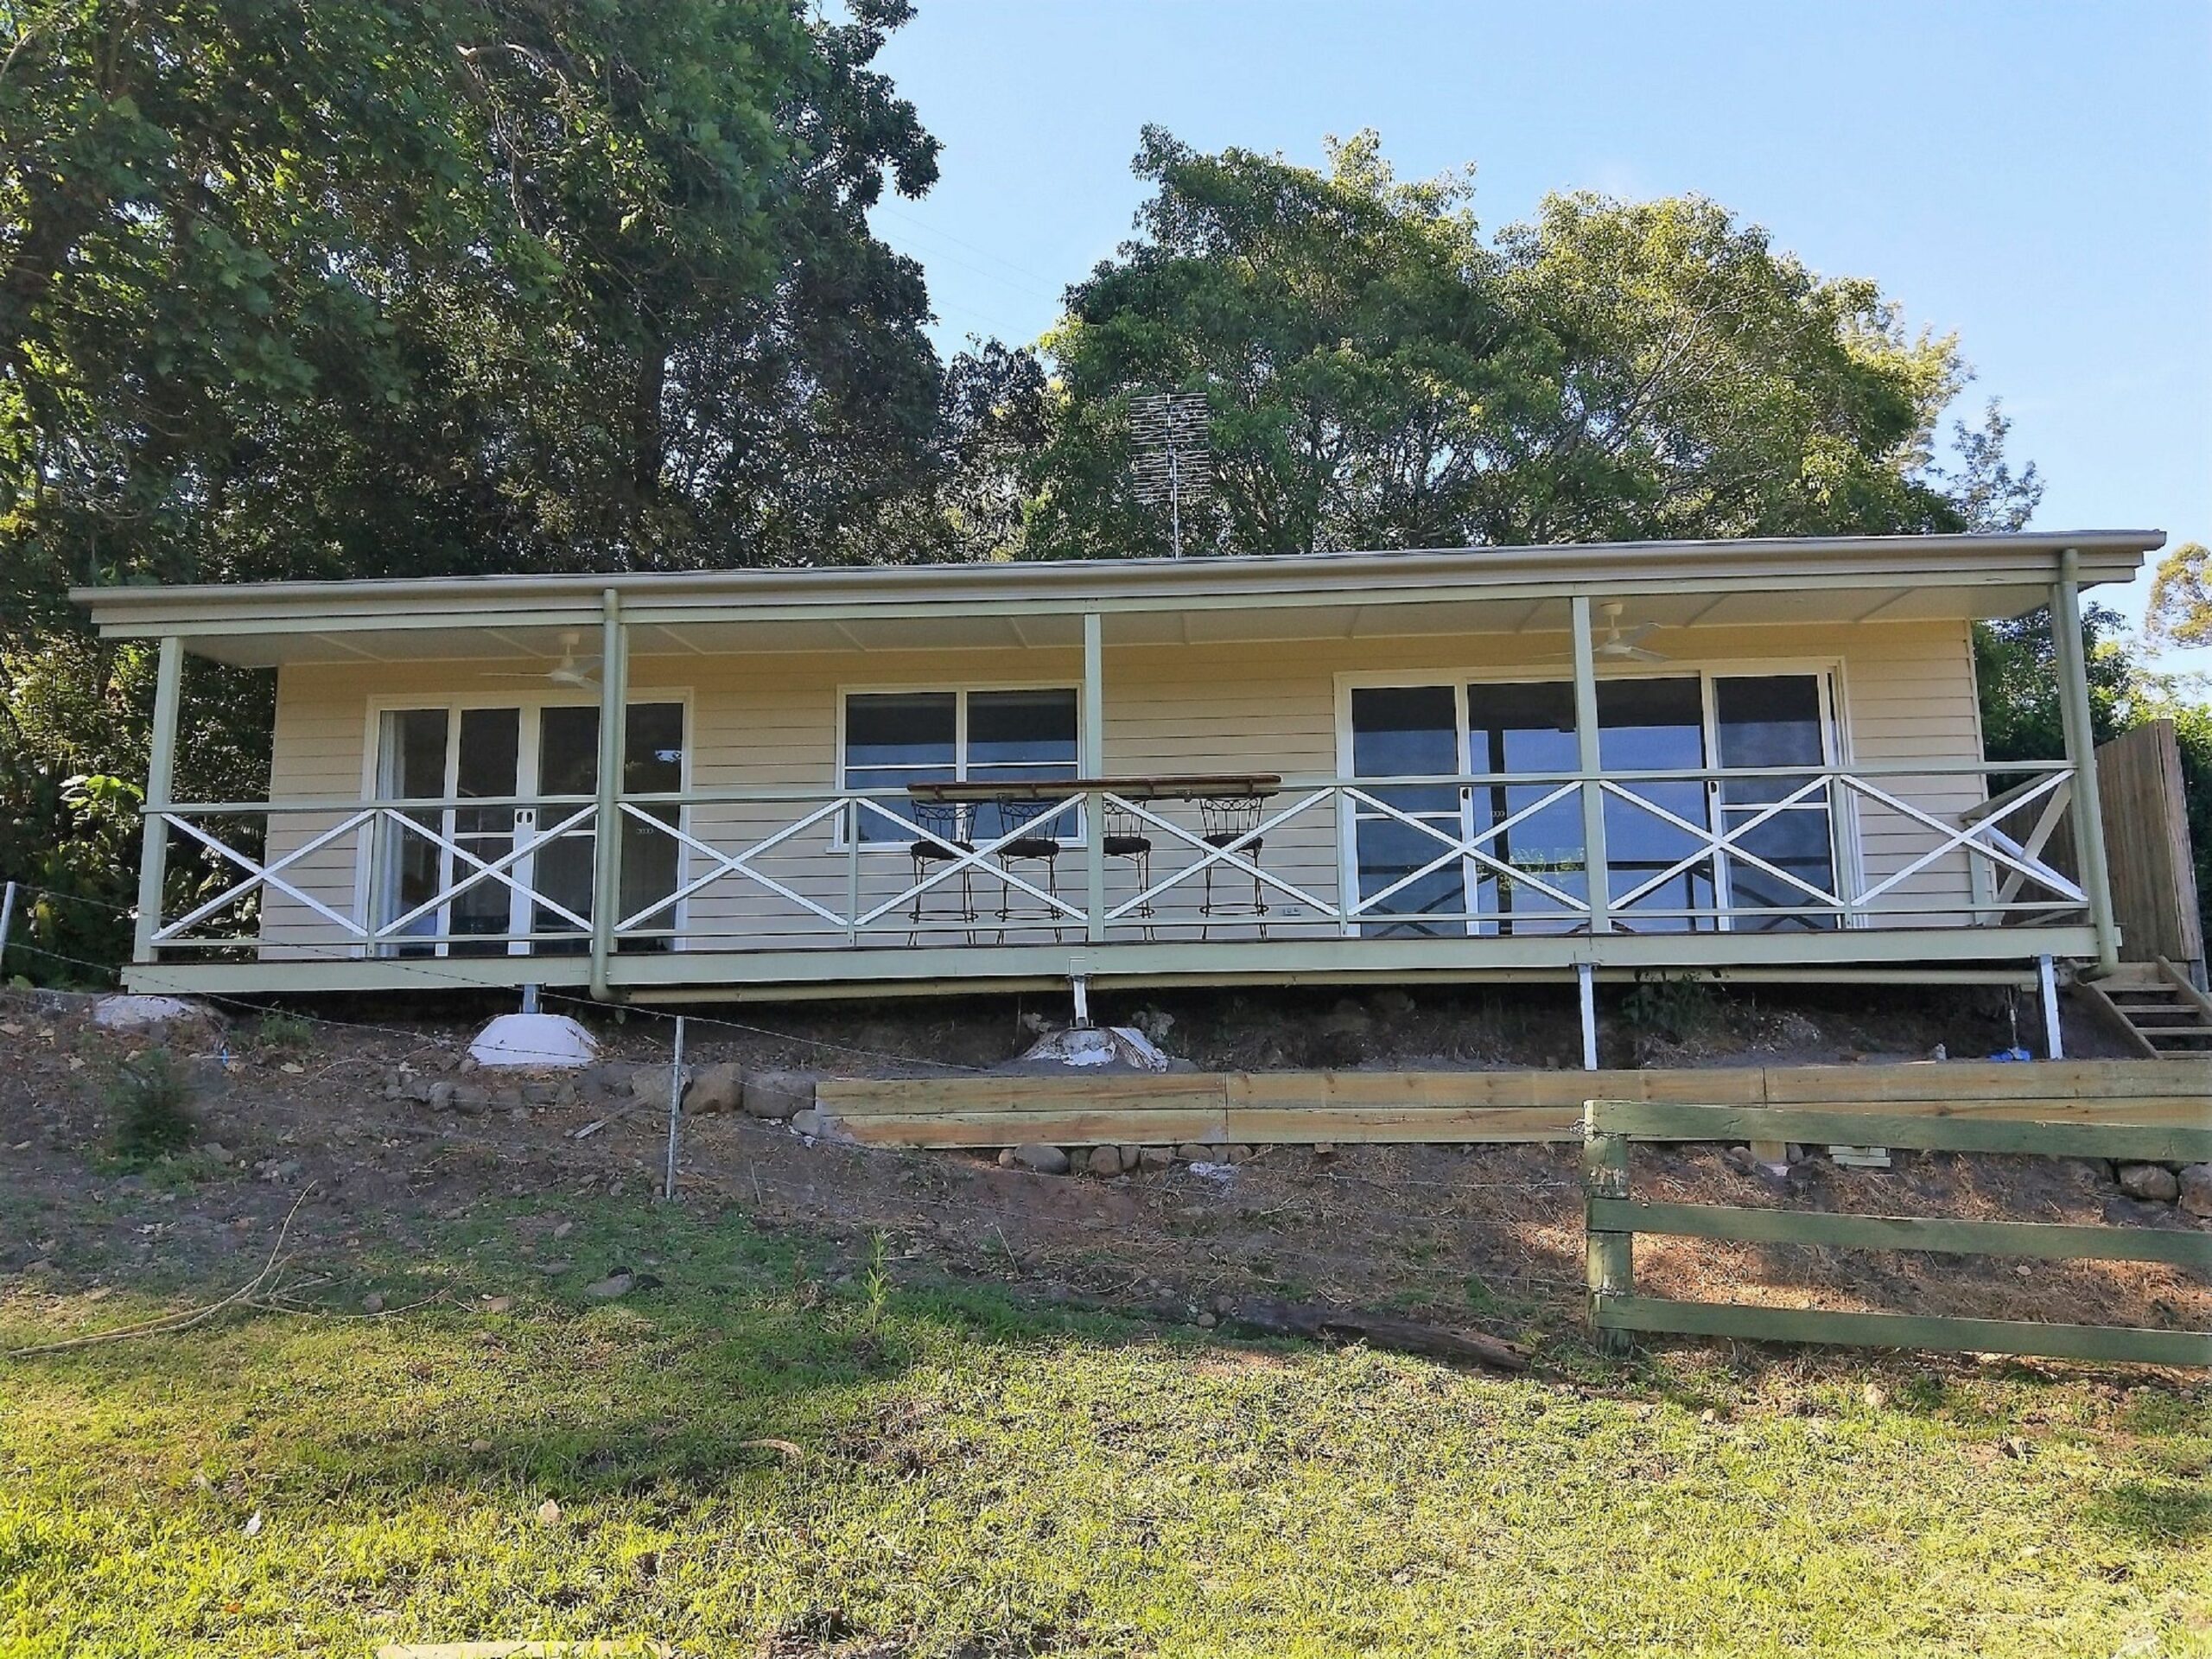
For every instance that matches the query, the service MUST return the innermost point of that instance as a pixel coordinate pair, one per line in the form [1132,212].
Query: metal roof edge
[2107,556]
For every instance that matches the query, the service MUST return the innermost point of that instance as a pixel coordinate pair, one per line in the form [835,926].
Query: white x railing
[1469,848]
[739,869]
[350,861]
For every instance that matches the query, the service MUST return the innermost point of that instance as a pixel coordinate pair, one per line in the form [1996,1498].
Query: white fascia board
[918,591]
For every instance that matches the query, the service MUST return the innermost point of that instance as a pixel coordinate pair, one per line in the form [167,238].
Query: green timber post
[1596,878]
[1093,760]
[161,777]
[1611,1254]
[606,821]
[2082,750]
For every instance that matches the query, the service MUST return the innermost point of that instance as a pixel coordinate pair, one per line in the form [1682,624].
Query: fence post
[675,1107]
[7,921]
[1611,1254]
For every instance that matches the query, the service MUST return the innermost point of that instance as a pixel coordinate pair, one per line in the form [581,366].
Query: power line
[928,229]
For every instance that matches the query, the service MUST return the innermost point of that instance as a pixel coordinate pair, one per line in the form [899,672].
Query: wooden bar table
[1182,787]
[1230,801]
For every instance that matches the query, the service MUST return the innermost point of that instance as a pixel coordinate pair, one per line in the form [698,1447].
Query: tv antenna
[1168,430]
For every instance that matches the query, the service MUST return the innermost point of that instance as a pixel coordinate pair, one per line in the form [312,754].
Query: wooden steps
[2153,1007]
[1302,1108]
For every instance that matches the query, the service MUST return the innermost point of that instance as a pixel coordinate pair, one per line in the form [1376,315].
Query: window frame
[1832,668]
[960,692]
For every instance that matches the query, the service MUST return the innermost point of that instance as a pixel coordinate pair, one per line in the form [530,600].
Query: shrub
[151,1099]
[277,1032]
[1678,1006]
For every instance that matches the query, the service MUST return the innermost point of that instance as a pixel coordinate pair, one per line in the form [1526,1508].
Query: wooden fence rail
[1614,1218]
[1303,1107]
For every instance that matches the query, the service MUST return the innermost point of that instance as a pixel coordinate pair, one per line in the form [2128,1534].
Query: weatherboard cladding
[1908,694]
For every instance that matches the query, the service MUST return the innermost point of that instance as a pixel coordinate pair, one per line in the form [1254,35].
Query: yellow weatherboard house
[1760,759]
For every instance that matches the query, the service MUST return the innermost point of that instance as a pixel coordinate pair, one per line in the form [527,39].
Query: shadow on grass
[756,1337]
[748,1357]
[2153,1511]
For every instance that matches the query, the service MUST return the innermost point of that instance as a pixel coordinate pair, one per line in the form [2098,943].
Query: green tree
[1381,375]
[307,287]
[2180,611]
[2015,666]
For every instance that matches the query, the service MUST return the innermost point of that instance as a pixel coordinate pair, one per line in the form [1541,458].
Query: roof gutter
[1131,584]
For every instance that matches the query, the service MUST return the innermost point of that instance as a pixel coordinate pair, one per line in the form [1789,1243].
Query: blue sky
[2037,177]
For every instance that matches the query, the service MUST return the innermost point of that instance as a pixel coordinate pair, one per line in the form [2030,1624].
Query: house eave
[1990,574]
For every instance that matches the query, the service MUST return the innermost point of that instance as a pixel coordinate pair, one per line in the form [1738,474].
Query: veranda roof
[1198,600]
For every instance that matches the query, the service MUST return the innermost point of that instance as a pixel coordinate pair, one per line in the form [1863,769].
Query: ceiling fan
[569,671]
[1614,644]
[1623,644]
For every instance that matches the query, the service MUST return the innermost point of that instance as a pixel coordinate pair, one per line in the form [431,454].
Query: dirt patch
[1660,1019]
[1488,1237]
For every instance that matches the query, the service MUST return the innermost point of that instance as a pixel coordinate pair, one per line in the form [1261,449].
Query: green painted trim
[1332,960]
[161,777]
[607,839]
[2042,1241]
[2081,749]
[354,973]
[1652,1120]
[1597,870]
[1751,1324]
[1962,564]
[1093,727]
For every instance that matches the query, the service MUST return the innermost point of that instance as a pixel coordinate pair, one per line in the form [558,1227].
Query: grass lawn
[957,1475]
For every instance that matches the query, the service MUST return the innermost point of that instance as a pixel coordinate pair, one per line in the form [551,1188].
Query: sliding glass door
[1417,885]
[1521,866]
[420,876]
[1525,727]
[1785,819]
[1410,872]
[1662,878]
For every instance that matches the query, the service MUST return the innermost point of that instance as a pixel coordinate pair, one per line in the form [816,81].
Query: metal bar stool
[1125,837]
[1036,842]
[1227,819]
[952,821]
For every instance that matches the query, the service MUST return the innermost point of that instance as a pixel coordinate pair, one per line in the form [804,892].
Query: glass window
[1403,731]
[653,748]
[1774,720]
[1769,719]
[894,739]
[913,734]
[1020,734]
[415,753]
[652,764]
[1655,724]
[413,767]
[1408,731]
[567,751]
[1526,726]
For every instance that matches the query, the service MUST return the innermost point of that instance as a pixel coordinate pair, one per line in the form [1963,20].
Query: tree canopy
[2180,611]
[323,287]
[1382,375]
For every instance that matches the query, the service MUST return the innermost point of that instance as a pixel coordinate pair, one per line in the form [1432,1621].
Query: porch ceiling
[534,620]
